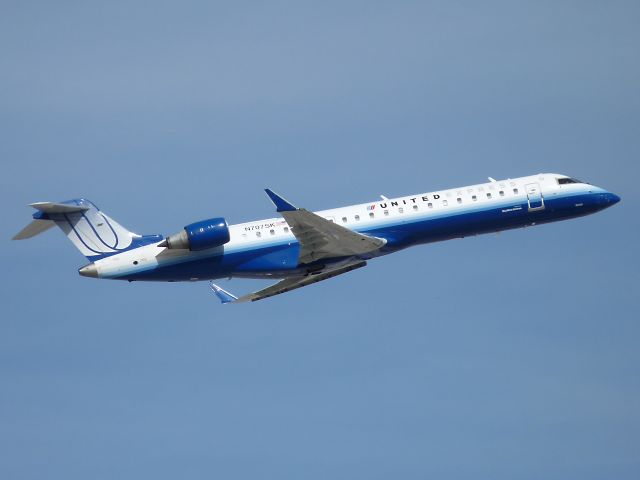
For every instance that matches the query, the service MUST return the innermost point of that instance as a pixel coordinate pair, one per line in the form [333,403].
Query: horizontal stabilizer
[91,231]
[36,227]
[51,207]
[42,222]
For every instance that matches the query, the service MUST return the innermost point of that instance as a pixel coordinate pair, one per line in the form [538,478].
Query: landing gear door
[534,195]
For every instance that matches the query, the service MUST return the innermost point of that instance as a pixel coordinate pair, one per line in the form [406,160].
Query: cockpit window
[564,181]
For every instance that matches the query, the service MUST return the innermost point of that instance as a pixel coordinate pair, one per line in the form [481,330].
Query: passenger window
[401,210]
[445,202]
[370,214]
[488,194]
[272,232]
[286,229]
[474,198]
[415,207]
[459,200]
[344,219]
[515,191]
[357,217]
[430,205]
[386,212]
[502,193]
[258,234]
[244,235]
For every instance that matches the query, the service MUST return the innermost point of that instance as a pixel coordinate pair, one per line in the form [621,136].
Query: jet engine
[199,235]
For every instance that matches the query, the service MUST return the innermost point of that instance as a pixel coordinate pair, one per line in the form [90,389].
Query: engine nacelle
[199,235]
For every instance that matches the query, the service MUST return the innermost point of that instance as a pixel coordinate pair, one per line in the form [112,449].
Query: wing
[321,238]
[285,285]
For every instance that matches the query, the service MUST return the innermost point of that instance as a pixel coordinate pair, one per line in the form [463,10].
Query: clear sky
[511,356]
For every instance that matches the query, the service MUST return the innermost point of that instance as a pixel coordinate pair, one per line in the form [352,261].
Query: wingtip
[223,295]
[281,204]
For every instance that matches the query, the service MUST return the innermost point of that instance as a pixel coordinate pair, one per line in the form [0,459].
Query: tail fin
[90,230]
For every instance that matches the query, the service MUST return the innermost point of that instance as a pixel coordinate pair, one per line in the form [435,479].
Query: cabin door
[534,195]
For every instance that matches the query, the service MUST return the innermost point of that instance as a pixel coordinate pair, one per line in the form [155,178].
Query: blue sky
[502,356]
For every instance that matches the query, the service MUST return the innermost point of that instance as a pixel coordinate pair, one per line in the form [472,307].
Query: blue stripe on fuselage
[279,258]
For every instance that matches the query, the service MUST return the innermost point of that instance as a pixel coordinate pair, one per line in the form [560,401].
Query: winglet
[281,204]
[223,295]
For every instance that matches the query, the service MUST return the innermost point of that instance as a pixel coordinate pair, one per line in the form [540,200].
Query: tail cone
[89,271]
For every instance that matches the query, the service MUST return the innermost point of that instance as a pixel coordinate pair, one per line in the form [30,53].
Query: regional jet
[300,247]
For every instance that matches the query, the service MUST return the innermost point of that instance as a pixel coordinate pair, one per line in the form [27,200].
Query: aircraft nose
[89,271]
[611,198]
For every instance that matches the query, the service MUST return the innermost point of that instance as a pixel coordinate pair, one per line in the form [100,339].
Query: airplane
[303,247]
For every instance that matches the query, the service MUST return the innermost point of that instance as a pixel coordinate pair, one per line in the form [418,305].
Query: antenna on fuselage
[492,180]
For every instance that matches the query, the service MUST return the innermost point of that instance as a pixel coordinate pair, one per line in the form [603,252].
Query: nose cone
[604,199]
[89,271]
[612,198]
